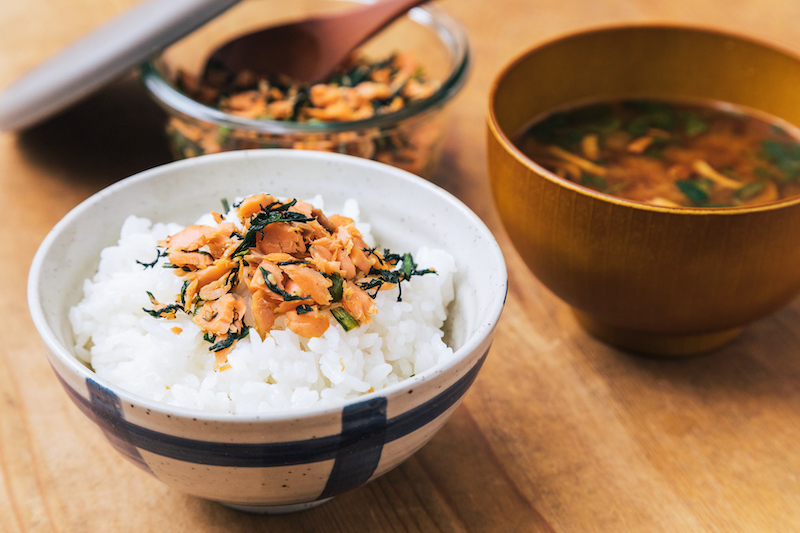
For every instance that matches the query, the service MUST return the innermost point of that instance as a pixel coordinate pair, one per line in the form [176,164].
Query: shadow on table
[761,362]
[113,133]
[739,397]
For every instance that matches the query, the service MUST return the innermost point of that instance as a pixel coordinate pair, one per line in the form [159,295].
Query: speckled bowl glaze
[298,459]
[656,280]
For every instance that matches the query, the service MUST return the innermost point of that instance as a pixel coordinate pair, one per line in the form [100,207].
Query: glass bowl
[410,138]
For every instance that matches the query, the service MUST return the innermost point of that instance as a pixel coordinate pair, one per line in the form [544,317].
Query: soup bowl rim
[500,135]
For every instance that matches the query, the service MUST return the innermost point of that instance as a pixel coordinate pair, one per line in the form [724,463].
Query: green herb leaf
[407,269]
[692,191]
[695,125]
[230,339]
[595,182]
[301,100]
[409,266]
[750,190]
[337,287]
[201,252]
[162,312]
[160,252]
[762,173]
[344,318]
[222,135]
[374,283]
[390,257]
[783,157]
[185,285]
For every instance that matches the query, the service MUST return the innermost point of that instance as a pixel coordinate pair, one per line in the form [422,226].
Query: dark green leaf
[230,339]
[337,287]
[595,182]
[160,252]
[695,125]
[750,190]
[692,191]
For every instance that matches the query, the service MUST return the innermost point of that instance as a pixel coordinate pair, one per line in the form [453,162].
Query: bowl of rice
[265,415]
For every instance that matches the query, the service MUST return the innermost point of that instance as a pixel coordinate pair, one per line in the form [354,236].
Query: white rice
[143,354]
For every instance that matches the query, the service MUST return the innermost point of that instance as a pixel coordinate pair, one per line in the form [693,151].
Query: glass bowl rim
[450,33]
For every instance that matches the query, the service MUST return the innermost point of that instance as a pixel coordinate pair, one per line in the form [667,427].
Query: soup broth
[671,154]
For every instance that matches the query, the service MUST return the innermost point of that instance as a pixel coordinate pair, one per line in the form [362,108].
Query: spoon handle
[373,18]
[344,32]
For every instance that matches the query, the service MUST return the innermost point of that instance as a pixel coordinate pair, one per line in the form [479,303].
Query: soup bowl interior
[660,280]
[288,460]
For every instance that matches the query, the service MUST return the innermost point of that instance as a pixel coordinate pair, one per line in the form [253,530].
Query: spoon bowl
[307,50]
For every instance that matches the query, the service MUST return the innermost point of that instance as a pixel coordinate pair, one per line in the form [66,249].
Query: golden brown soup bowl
[665,281]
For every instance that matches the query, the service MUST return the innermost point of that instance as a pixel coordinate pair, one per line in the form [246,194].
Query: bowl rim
[451,33]
[512,149]
[482,332]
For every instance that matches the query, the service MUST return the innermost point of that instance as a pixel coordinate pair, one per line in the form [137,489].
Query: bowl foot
[275,509]
[655,343]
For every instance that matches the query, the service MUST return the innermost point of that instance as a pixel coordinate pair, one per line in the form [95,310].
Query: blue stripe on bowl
[356,451]
[108,407]
[365,421]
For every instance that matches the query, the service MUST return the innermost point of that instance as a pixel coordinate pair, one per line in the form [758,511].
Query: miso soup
[674,154]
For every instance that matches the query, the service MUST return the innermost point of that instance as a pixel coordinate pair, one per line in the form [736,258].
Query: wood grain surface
[558,433]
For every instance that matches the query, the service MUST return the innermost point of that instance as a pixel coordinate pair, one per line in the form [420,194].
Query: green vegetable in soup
[677,154]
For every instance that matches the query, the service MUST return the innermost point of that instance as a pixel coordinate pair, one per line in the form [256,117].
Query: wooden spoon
[311,49]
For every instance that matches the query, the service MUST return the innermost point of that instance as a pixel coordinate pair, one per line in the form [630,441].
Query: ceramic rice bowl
[295,459]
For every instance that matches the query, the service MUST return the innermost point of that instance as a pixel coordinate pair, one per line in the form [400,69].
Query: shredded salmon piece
[191,260]
[280,237]
[263,315]
[218,317]
[358,303]
[213,272]
[253,204]
[213,240]
[189,292]
[311,324]
[310,282]
[214,290]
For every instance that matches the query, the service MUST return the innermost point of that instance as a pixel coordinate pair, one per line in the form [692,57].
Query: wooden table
[558,433]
